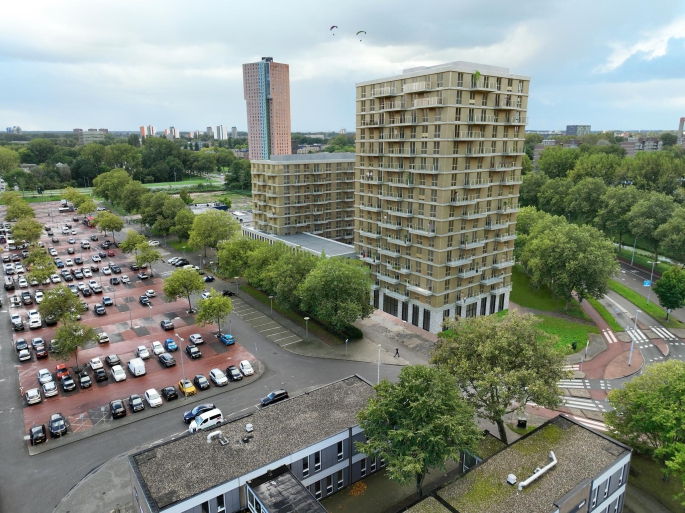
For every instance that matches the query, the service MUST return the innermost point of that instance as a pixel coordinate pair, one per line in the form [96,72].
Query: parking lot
[128,324]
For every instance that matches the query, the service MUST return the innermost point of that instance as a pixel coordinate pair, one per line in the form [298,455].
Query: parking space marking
[294,342]
[276,334]
[276,328]
[285,338]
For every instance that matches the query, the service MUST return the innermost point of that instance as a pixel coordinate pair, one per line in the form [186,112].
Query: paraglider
[334,26]
[361,32]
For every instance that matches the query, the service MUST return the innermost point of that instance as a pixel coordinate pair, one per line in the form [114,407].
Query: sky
[119,65]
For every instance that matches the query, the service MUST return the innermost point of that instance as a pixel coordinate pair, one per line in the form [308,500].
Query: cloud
[654,44]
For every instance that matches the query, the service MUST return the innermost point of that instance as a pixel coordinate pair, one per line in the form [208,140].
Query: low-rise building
[578,130]
[635,144]
[90,135]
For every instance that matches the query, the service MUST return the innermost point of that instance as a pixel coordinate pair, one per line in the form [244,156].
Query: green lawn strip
[41,199]
[601,309]
[178,244]
[521,431]
[644,261]
[314,327]
[184,182]
[566,331]
[651,309]
[540,298]
[114,208]
[650,479]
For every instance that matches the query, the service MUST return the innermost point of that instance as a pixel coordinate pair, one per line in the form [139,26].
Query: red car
[41,352]
[110,253]
[62,370]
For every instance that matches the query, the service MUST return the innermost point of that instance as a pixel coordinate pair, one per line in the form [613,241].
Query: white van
[206,420]
[136,366]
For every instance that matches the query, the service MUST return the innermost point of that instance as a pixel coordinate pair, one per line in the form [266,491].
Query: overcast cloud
[119,65]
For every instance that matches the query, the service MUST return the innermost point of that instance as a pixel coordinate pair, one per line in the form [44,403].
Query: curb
[135,417]
[634,372]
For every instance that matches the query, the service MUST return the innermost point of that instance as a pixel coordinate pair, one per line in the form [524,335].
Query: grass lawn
[613,324]
[644,261]
[651,309]
[650,480]
[567,332]
[178,245]
[521,431]
[540,299]
[188,181]
[41,199]
[314,328]
[114,208]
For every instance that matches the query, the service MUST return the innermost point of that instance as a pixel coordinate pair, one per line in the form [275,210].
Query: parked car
[50,389]
[68,383]
[117,408]
[170,345]
[112,360]
[61,370]
[101,375]
[233,373]
[57,426]
[209,279]
[103,338]
[226,338]
[166,360]
[246,368]
[166,325]
[227,293]
[150,293]
[144,300]
[186,387]
[114,280]
[156,347]
[95,363]
[125,278]
[196,339]
[201,382]
[99,309]
[84,380]
[142,352]
[193,352]
[198,410]
[153,398]
[169,393]
[274,397]
[37,434]
[218,377]
[33,396]
[118,373]
[107,301]
[135,402]
[44,376]
[142,275]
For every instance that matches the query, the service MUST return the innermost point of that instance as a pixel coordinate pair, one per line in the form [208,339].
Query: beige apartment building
[438,169]
[312,194]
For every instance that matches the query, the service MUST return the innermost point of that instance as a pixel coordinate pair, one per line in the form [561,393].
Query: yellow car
[186,387]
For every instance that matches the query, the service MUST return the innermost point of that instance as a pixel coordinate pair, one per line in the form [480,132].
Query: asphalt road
[33,484]
[634,278]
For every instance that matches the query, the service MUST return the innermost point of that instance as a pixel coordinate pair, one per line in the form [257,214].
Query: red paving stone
[84,407]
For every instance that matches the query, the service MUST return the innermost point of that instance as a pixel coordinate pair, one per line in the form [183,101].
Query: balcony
[507,105]
[498,226]
[475,184]
[459,261]
[389,252]
[370,234]
[468,135]
[515,180]
[507,209]
[475,214]
[416,86]
[464,200]
[468,273]
[466,244]
[484,85]
[397,295]
[390,226]
[383,91]
[467,300]
[402,242]
[369,122]
[368,258]
[505,237]
[393,106]
[371,208]
[420,230]
[427,102]
[419,290]
[405,212]
[424,167]
[492,280]
[479,151]
[389,279]
[511,150]
[503,264]
[391,197]
[499,290]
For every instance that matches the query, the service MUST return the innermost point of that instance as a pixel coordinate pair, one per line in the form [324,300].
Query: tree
[19,210]
[612,217]
[9,160]
[148,255]
[263,259]
[170,209]
[111,185]
[183,283]
[10,197]
[597,165]
[60,303]
[526,165]
[131,196]
[671,234]
[647,215]
[500,364]
[94,153]
[123,156]
[571,258]
[648,412]
[670,289]
[39,265]
[185,196]
[132,241]
[87,207]
[668,139]
[337,292]
[584,199]
[288,273]
[133,140]
[234,255]
[530,189]
[417,424]
[530,220]
[107,221]
[557,161]
[41,150]
[27,230]
[72,336]
[183,223]
[553,196]
[213,310]
[206,163]
[212,227]
[658,171]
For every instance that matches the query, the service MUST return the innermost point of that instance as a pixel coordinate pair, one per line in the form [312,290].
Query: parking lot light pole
[650,279]
[379,363]
[632,341]
[236,284]
[183,369]
[271,298]
[306,328]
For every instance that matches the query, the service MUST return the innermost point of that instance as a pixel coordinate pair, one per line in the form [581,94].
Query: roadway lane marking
[582,404]
[276,334]
[592,424]
[663,333]
[637,335]
[289,343]
[571,383]
[609,335]
[573,367]
[250,320]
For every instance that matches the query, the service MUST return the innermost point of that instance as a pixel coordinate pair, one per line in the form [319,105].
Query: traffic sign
[646,283]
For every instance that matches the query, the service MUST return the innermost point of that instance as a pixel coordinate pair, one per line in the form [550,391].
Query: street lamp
[379,364]
[183,369]
[650,279]
[632,341]
[184,250]
[236,284]
[306,327]
[271,298]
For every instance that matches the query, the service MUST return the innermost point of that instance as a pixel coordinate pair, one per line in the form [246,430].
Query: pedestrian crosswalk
[637,335]
[592,424]
[571,383]
[609,336]
[573,367]
[582,404]
[663,333]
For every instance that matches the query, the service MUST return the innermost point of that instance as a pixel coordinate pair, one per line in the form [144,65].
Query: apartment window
[594,496]
[373,465]
[205,507]
[436,145]
[317,489]
[438,115]
[436,132]
[363,95]
[606,488]
[441,78]
[220,504]
[329,485]
[340,448]
[458,103]
[620,477]
[305,466]
[317,461]
[363,468]
[340,479]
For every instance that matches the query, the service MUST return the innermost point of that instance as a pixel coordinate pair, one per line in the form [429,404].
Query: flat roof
[177,470]
[310,242]
[463,66]
[307,158]
[428,505]
[281,492]
[581,454]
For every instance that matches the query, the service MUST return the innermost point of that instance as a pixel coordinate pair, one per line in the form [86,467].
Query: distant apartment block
[438,171]
[173,132]
[539,148]
[313,194]
[578,130]
[234,132]
[210,132]
[221,133]
[267,93]
[90,135]
[343,131]
[635,144]
[13,130]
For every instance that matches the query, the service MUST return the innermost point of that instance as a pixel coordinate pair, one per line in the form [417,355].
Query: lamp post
[184,250]
[632,259]
[236,284]
[649,292]
[306,328]
[183,369]
[379,364]
[271,298]
[632,341]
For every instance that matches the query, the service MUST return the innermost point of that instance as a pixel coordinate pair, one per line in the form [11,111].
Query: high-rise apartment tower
[438,170]
[267,93]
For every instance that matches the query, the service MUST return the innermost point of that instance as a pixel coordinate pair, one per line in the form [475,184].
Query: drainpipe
[539,471]
[349,466]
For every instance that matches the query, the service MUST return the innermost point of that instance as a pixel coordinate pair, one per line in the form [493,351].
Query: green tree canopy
[123,156]
[337,291]
[571,258]
[584,199]
[111,185]
[670,289]
[417,424]
[183,223]
[647,215]
[72,336]
[132,241]
[148,255]
[262,262]
[39,265]
[615,205]
[10,197]
[597,165]
[19,210]
[212,227]
[557,161]
[94,153]
[183,283]
[234,255]
[9,160]
[288,272]
[27,230]
[213,310]
[668,139]
[658,171]
[132,195]
[500,364]
[87,207]
[107,221]
[61,303]
[530,188]
[553,196]
[671,235]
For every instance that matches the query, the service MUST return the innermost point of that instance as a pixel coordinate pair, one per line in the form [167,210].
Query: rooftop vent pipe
[211,435]
[539,471]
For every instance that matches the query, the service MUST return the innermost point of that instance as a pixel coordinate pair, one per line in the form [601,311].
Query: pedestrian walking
[397,352]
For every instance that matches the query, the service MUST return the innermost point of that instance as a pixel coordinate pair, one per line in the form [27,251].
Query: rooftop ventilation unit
[511,479]
[539,471]
[212,435]
[249,428]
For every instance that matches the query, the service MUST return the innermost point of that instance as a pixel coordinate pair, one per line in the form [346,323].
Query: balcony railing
[416,86]
[492,280]
[426,102]
[383,91]
[502,264]
[393,105]
[468,135]
[490,85]
[473,184]
[464,200]
[419,290]
[420,230]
